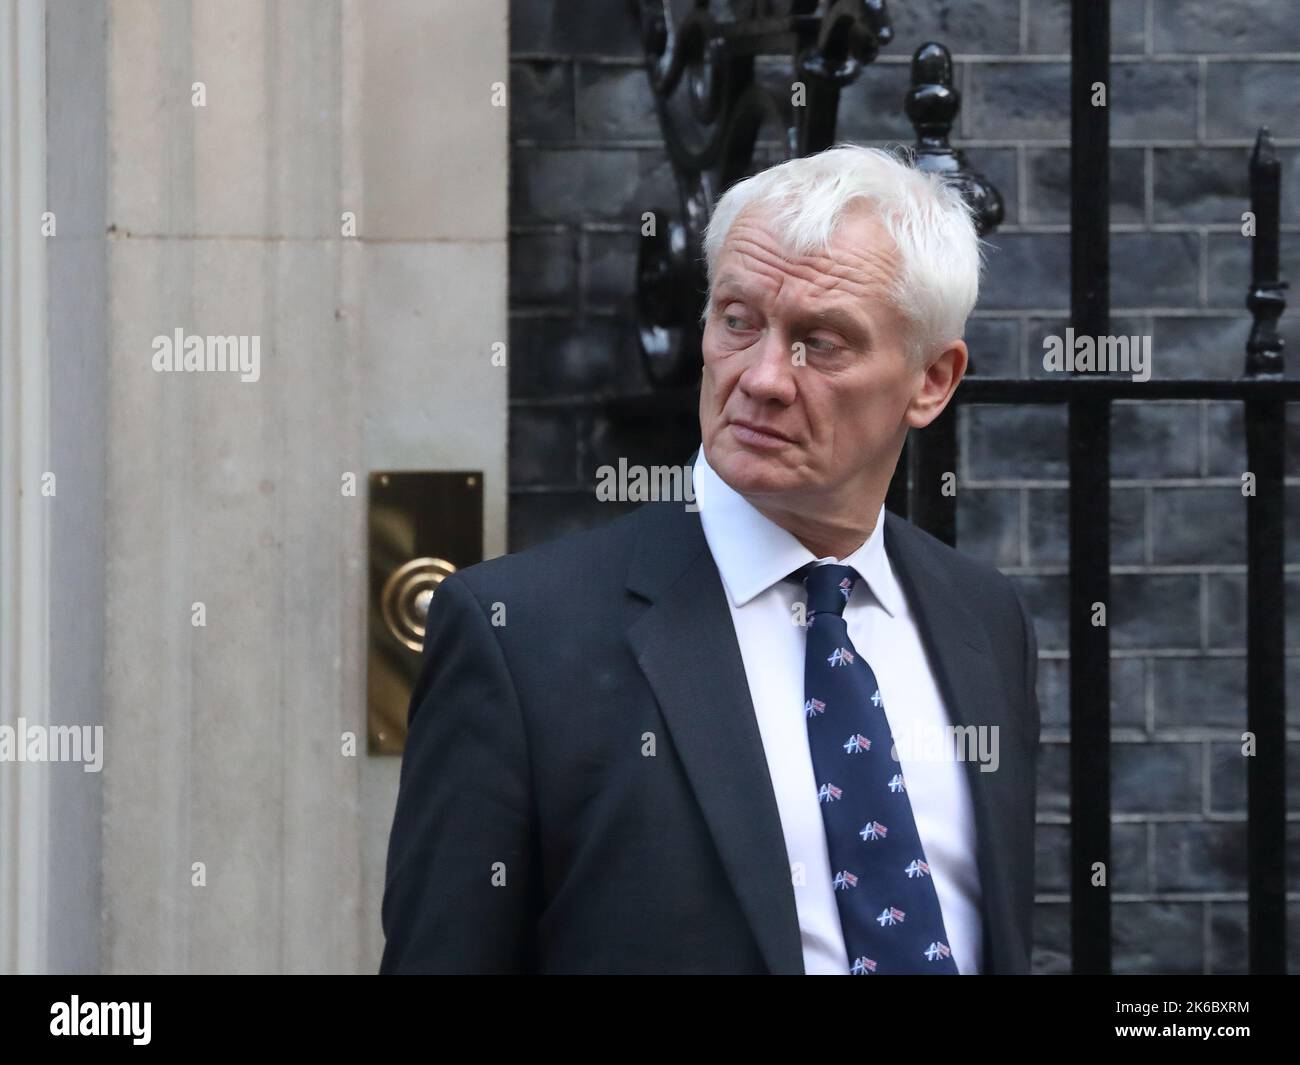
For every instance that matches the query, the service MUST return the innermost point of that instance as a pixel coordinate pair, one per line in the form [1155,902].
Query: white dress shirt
[753,555]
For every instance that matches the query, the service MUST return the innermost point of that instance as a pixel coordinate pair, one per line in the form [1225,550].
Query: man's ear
[939,380]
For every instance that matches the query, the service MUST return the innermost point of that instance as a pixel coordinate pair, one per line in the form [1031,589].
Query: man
[694,741]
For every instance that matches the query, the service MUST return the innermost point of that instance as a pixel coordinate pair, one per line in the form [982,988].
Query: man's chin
[753,473]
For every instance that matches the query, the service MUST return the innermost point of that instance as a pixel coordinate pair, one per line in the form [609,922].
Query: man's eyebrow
[841,318]
[844,320]
[729,281]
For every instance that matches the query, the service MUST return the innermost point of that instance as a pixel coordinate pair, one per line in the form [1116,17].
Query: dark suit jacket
[526,759]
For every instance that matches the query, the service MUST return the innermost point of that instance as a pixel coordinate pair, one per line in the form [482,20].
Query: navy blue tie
[889,909]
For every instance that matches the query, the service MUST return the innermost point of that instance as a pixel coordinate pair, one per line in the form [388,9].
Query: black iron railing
[711,53]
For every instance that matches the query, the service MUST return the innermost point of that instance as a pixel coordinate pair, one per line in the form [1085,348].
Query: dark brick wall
[1192,80]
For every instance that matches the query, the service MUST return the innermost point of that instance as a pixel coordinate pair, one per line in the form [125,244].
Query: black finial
[932,105]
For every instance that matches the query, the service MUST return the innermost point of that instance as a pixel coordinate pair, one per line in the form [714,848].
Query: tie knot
[829,588]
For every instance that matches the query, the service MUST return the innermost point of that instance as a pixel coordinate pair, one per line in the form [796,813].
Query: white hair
[933,227]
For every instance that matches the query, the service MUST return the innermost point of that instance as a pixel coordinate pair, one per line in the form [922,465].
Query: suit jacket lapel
[961,657]
[685,643]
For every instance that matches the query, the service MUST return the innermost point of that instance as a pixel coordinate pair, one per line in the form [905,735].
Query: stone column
[242,138]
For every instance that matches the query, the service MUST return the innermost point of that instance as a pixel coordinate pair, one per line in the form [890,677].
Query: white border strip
[24,458]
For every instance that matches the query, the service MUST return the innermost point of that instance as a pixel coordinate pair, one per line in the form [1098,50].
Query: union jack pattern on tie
[889,909]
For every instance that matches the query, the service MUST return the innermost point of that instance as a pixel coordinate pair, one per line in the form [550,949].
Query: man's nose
[770,373]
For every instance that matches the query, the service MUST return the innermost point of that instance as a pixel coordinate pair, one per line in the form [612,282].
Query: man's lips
[758,435]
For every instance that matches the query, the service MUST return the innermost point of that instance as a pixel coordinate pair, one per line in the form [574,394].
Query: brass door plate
[423,527]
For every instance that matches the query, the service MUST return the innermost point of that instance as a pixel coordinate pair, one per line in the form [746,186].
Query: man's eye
[733,321]
[826,345]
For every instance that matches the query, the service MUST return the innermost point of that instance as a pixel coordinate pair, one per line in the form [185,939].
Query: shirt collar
[752,552]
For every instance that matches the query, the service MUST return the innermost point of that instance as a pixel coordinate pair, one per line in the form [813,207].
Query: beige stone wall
[223,741]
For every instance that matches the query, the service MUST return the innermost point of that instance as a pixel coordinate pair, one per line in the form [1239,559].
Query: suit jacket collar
[685,644]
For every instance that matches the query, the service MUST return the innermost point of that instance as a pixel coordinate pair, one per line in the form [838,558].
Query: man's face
[783,432]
